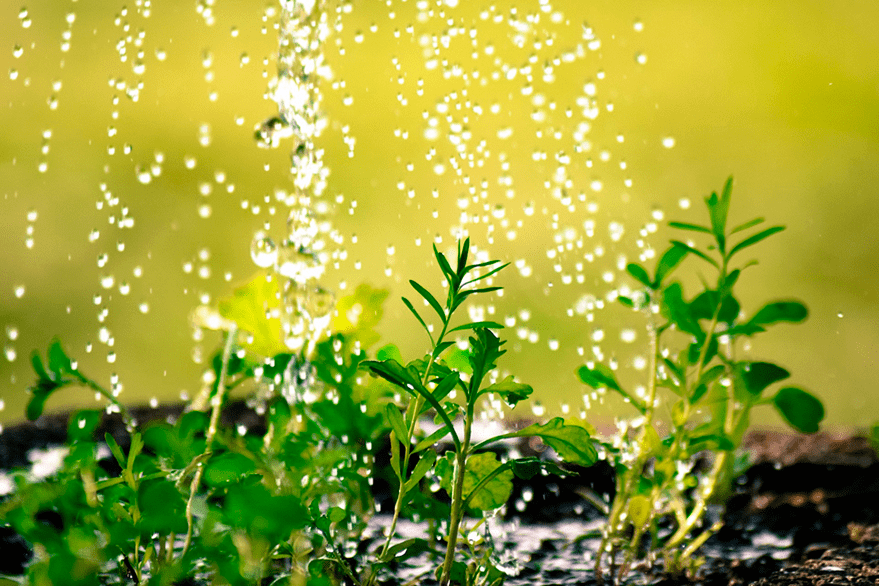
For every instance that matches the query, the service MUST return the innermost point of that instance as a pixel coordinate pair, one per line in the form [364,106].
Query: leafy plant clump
[192,500]
[693,355]
[196,499]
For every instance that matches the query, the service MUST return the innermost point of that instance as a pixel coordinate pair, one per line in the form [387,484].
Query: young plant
[693,354]
[474,478]
[197,496]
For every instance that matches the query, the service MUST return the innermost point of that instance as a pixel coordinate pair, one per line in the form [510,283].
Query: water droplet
[10,353]
[19,291]
[668,142]
[263,250]
[640,58]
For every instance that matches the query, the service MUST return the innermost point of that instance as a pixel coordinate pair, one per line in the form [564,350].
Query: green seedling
[474,478]
[694,348]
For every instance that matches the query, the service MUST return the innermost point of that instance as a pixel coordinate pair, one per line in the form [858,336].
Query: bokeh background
[561,135]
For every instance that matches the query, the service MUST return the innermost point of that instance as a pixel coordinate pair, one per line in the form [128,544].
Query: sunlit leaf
[358,314]
[746,225]
[255,308]
[431,300]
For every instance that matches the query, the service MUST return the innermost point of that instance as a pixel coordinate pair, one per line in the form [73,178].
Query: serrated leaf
[802,410]
[255,309]
[572,443]
[511,391]
[357,315]
[492,494]
[599,377]
[639,274]
[754,239]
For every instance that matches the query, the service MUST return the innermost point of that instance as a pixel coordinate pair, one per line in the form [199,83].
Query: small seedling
[693,354]
[473,477]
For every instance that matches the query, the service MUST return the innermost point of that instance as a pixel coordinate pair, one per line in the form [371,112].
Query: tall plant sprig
[459,282]
[713,393]
[475,480]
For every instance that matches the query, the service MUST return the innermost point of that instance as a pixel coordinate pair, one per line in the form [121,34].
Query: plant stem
[216,406]
[457,500]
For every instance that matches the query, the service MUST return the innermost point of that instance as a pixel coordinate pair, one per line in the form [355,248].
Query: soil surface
[805,513]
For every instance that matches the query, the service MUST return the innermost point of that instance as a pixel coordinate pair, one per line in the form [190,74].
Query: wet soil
[805,513]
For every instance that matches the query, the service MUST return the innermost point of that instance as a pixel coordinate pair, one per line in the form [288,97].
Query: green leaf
[711,442]
[59,362]
[486,275]
[477,324]
[679,312]
[451,276]
[389,351]
[718,209]
[705,304]
[408,304]
[780,311]
[82,424]
[599,377]
[431,439]
[691,227]
[697,252]
[638,509]
[572,443]
[528,468]
[491,495]
[754,239]
[669,260]
[639,274]
[802,410]
[746,225]
[511,391]
[431,300]
[395,419]
[758,375]
[424,465]
[249,307]
[162,507]
[485,350]
[37,363]
[227,468]
[116,450]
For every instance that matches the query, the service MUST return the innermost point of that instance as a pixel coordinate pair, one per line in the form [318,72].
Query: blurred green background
[782,95]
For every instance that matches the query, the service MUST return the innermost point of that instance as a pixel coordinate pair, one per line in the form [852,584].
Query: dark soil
[806,512]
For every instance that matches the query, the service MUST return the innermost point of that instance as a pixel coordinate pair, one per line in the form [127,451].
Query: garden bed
[804,513]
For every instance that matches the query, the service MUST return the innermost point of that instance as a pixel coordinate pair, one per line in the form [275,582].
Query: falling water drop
[263,251]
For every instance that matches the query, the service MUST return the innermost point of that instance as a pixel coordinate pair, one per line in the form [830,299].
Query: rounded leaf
[802,410]
[227,468]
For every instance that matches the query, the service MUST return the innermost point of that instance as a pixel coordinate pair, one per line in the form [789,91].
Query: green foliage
[474,479]
[710,395]
[193,497]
